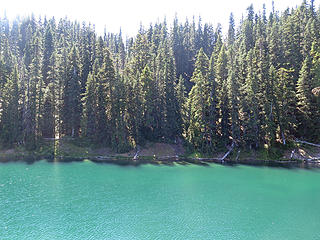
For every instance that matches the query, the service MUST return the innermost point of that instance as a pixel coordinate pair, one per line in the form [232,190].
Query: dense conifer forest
[186,81]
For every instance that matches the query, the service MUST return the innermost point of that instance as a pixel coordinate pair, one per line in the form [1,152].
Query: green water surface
[84,200]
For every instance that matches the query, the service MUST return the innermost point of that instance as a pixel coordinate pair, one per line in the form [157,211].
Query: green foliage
[202,114]
[63,80]
[10,117]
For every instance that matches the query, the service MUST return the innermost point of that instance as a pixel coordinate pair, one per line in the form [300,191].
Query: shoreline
[166,160]
[164,154]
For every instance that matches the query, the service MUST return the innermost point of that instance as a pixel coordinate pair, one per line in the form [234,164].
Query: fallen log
[227,153]
[283,138]
[312,159]
[309,143]
[237,158]
[292,153]
[137,153]
[316,91]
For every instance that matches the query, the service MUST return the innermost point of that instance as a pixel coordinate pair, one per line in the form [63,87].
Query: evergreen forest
[256,85]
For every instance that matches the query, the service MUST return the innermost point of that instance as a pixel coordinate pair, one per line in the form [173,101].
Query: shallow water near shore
[84,200]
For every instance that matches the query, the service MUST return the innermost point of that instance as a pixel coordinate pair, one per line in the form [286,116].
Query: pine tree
[106,113]
[315,73]
[250,105]
[172,114]
[181,95]
[120,138]
[61,78]
[276,51]
[48,123]
[304,99]
[222,79]
[213,102]
[233,84]
[264,91]
[50,95]
[48,50]
[231,31]
[139,59]
[291,43]
[85,55]
[34,96]
[148,96]
[285,92]
[273,113]
[233,97]
[10,117]
[199,129]
[90,108]
[178,47]
[71,99]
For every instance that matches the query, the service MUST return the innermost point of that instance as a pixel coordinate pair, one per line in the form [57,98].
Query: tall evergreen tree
[149,97]
[90,108]
[305,104]
[222,79]
[10,117]
[199,130]
[71,99]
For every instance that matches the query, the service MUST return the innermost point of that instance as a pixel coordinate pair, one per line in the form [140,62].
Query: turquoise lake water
[84,200]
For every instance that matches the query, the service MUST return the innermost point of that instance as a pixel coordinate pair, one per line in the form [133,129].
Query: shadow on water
[175,161]
[290,165]
[185,162]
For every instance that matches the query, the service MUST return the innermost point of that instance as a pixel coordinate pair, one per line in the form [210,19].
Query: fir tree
[304,99]
[71,99]
[199,129]
[10,117]
[148,93]
[90,108]
[222,78]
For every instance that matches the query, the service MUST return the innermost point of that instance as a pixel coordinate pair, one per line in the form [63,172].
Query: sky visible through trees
[128,15]
[180,81]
